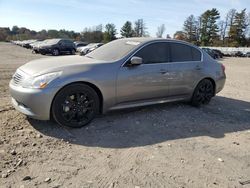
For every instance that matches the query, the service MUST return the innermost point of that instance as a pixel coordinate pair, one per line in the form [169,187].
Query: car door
[184,69]
[61,45]
[67,45]
[148,80]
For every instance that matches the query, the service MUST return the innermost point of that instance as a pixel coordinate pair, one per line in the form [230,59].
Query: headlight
[41,81]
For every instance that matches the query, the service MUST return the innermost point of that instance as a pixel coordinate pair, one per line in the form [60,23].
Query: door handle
[163,71]
[198,67]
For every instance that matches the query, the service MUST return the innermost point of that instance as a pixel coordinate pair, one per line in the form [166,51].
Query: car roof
[144,40]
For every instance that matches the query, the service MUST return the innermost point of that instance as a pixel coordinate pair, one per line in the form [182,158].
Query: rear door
[148,80]
[184,69]
[68,45]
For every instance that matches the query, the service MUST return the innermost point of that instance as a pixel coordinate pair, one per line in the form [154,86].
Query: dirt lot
[171,145]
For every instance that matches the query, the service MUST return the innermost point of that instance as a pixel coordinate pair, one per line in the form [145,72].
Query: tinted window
[68,42]
[154,53]
[182,52]
[196,54]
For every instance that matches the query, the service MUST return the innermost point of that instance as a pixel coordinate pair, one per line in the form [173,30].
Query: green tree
[238,29]
[190,27]
[110,32]
[52,33]
[209,27]
[4,33]
[127,30]
[14,30]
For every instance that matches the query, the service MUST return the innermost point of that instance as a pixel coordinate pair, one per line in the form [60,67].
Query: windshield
[51,41]
[114,50]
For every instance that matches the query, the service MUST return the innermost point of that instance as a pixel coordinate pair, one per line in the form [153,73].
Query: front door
[148,80]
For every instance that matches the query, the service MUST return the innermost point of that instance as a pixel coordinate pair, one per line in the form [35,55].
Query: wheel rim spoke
[78,108]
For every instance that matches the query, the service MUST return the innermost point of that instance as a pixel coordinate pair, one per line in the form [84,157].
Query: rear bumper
[220,83]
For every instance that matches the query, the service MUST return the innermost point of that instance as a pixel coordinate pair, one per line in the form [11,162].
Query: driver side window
[154,53]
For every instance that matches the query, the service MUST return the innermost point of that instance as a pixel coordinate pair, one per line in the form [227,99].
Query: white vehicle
[86,49]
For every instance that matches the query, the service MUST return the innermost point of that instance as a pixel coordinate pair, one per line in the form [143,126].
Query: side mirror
[136,60]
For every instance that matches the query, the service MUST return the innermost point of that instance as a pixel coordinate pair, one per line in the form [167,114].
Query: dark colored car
[220,54]
[239,54]
[56,47]
[212,53]
[248,54]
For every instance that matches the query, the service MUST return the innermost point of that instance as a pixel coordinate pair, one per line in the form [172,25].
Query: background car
[212,53]
[55,47]
[239,54]
[80,44]
[220,54]
[90,47]
[124,73]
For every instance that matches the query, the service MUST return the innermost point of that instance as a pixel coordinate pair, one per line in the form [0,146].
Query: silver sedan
[125,73]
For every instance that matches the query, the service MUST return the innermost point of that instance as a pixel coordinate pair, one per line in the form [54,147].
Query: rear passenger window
[182,53]
[196,54]
[154,53]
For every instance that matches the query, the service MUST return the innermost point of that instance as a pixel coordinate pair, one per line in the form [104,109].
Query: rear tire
[73,52]
[75,105]
[203,93]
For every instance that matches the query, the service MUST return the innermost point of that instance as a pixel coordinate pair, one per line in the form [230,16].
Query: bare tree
[160,31]
[140,28]
[224,25]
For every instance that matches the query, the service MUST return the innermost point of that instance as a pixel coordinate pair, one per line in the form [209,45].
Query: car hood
[47,65]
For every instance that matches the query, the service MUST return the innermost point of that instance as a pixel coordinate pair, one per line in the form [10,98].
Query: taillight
[223,67]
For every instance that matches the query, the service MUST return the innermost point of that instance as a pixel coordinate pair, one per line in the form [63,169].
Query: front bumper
[45,50]
[35,103]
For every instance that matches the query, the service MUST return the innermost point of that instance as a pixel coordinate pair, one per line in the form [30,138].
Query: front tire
[75,105]
[55,52]
[203,93]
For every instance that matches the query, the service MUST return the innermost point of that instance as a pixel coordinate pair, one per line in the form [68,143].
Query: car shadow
[155,124]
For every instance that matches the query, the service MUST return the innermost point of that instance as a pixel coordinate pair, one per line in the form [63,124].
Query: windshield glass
[51,41]
[114,50]
[91,44]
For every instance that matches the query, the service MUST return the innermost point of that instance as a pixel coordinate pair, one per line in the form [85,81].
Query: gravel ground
[169,145]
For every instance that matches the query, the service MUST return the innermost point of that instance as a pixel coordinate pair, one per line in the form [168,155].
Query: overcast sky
[78,14]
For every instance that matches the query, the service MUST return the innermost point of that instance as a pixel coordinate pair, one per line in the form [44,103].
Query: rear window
[182,53]
[196,54]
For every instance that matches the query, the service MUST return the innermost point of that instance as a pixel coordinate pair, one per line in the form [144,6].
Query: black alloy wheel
[203,93]
[55,52]
[75,105]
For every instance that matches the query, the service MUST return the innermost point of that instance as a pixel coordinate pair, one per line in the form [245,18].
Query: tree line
[97,33]
[210,30]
